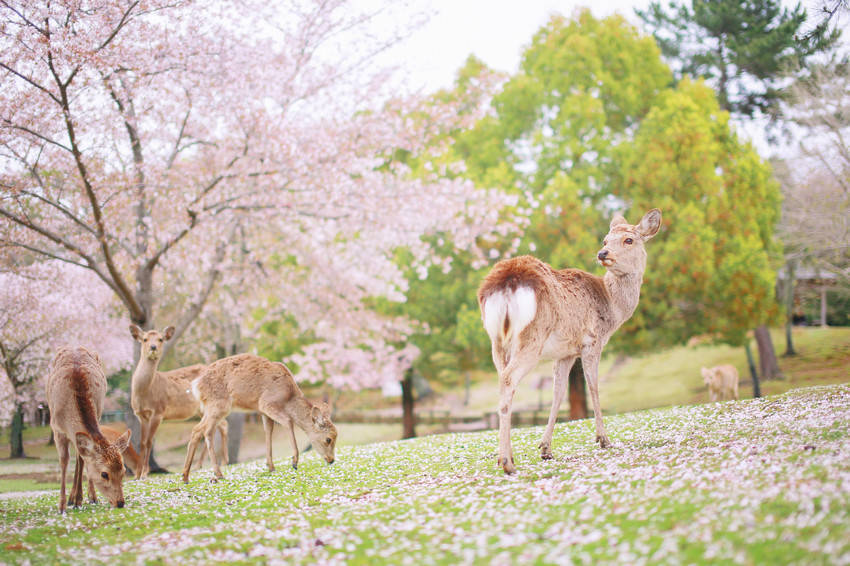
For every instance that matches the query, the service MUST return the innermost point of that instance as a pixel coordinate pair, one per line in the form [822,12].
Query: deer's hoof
[507,465]
[603,441]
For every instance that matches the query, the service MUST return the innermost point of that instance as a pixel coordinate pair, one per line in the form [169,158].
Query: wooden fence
[429,417]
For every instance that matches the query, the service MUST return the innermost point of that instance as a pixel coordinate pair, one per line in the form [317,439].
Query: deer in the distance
[533,312]
[76,389]
[246,382]
[161,395]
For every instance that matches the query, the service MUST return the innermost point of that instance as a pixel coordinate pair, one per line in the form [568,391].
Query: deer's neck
[299,410]
[624,290]
[144,375]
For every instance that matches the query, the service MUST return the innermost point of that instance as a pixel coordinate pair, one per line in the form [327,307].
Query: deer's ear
[616,221]
[123,441]
[85,444]
[650,224]
[317,416]
[136,332]
[168,333]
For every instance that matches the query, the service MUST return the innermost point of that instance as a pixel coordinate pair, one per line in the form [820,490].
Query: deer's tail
[506,313]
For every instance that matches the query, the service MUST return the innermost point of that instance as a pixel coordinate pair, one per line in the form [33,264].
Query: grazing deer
[76,388]
[161,395]
[533,312]
[722,382]
[132,459]
[246,382]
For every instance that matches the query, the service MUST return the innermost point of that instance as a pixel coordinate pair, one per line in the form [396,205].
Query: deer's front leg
[559,388]
[590,363]
[294,443]
[62,443]
[268,427]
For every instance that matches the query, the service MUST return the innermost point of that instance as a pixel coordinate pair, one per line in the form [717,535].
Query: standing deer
[722,382]
[533,312]
[246,382]
[76,388]
[161,395]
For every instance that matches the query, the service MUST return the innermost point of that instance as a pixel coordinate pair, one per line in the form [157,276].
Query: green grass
[672,376]
[756,482]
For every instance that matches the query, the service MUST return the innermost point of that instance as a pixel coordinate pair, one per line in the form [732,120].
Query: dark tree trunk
[235,424]
[577,392]
[753,373]
[408,419]
[788,292]
[768,364]
[16,434]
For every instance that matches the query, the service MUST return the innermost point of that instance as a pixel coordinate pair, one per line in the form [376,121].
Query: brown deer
[246,382]
[722,382]
[162,395]
[533,312]
[132,459]
[76,389]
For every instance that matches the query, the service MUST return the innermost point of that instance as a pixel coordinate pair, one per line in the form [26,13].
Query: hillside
[763,481]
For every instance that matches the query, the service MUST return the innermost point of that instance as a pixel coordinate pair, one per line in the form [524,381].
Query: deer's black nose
[153,347]
[602,254]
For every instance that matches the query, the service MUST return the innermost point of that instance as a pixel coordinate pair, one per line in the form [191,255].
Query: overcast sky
[496,31]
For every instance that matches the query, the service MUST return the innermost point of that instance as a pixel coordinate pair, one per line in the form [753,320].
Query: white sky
[495,31]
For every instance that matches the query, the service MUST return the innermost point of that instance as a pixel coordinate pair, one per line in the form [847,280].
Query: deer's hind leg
[517,368]
[204,430]
[559,388]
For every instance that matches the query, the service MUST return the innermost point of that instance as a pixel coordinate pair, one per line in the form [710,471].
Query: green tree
[713,269]
[744,48]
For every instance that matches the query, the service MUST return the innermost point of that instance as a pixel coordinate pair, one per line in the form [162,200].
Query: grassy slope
[757,481]
[672,376]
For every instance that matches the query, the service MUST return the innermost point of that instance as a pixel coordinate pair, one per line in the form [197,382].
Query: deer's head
[104,464]
[622,250]
[707,375]
[151,341]
[322,432]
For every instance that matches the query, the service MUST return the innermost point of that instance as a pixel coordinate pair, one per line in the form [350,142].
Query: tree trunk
[577,392]
[753,373]
[768,363]
[408,419]
[788,291]
[235,423]
[16,434]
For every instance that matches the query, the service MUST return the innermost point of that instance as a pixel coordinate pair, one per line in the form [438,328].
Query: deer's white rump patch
[519,306]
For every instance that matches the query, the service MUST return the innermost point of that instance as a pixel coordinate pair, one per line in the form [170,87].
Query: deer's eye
[327,441]
[629,241]
[104,475]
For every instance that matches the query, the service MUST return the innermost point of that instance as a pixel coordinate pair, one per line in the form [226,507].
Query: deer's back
[244,378]
[76,389]
[568,300]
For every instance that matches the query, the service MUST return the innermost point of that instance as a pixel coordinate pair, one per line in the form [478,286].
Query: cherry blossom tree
[42,307]
[174,148]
